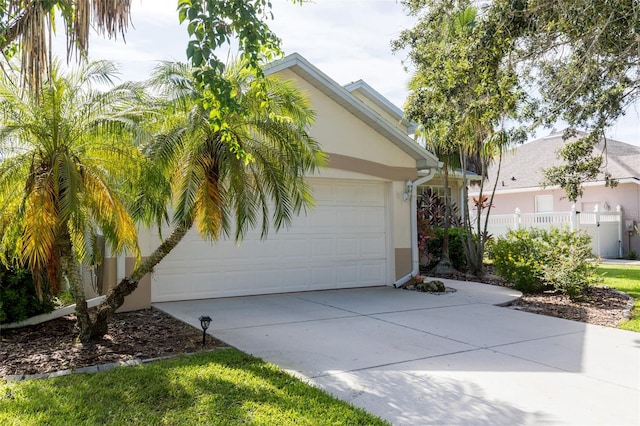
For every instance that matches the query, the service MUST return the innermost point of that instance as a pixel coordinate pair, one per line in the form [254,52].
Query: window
[436,190]
[544,203]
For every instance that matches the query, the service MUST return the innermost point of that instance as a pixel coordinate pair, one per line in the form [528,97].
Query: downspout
[415,261]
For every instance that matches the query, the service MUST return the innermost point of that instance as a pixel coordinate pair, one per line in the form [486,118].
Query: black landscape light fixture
[205,320]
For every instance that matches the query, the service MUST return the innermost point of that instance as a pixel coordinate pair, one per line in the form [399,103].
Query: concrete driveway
[456,359]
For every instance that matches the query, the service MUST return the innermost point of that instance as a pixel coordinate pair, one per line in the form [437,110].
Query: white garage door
[339,244]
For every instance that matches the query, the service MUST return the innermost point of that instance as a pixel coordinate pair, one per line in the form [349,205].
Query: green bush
[535,260]
[456,250]
[18,298]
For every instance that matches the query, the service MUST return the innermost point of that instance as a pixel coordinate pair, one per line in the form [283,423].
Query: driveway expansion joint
[355,370]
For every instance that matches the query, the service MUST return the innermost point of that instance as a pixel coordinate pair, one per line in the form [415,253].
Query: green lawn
[223,387]
[625,278]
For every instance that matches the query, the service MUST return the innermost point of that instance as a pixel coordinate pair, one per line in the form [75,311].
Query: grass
[223,387]
[625,278]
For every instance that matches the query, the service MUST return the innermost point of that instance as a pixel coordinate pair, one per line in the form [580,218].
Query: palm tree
[437,141]
[228,171]
[29,23]
[67,158]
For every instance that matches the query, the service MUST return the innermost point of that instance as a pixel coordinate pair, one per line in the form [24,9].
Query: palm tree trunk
[447,216]
[115,297]
[71,270]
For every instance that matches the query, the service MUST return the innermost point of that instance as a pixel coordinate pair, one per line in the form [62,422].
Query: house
[359,234]
[394,115]
[519,188]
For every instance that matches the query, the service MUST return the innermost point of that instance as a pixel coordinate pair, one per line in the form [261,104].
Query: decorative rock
[435,286]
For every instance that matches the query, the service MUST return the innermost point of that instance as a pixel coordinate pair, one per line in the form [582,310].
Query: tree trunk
[115,297]
[444,266]
[447,215]
[71,270]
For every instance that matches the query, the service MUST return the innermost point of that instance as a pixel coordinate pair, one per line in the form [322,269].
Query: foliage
[69,161]
[205,183]
[432,213]
[212,24]
[462,92]
[224,387]
[210,182]
[24,27]
[631,255]
[625,278]
[535,260]
[582,58]
[18,297]
[431,210]
[433,249]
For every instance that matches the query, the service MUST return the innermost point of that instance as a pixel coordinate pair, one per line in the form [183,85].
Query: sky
[346,39]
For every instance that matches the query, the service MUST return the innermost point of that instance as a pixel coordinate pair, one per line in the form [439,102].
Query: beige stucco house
[359,234]
[519,188]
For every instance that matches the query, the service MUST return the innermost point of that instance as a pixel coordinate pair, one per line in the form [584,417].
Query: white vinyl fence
[605,228]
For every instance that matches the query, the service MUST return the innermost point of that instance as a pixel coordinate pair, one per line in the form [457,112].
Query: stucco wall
[341,132]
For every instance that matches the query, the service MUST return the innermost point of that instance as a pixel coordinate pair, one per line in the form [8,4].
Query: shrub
[433,247]
[18,297]
[535,260]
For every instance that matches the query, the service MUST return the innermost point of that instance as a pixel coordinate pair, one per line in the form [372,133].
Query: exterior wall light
[407,191]
[204,323]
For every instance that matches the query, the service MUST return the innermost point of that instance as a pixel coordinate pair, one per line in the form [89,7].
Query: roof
[522,167]
[303,68]
[382,102]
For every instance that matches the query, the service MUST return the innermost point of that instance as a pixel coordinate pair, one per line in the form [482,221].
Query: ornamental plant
[537,260]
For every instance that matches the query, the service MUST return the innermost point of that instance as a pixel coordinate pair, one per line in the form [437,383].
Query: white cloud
[347,39]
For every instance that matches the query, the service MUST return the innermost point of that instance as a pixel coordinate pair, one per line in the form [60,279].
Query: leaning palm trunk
[115,297]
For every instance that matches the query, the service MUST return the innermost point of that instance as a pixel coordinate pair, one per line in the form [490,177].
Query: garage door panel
[322,248]
[347,247]
[294,248]
[322,278]
[372,195]
[371,220]
[322,217]
[322,193]
[347,275]
[371,247]
[370,272]
[346,193]
[339,244]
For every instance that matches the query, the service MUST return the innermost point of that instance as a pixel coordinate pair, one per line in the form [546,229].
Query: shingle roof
[522,167]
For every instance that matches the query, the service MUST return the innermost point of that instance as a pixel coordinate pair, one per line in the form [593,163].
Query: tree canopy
[463,89]
[68,159]
[583,57]
[26,26]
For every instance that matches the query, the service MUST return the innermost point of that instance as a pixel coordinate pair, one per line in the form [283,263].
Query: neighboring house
[519,188]
[358,235]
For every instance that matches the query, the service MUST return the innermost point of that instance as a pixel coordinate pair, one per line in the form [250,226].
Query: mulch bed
[52,346]
[600,305]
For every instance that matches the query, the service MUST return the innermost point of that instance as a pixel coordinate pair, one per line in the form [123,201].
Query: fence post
[516,218]
[596,210]
[574,218]
[620,230]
